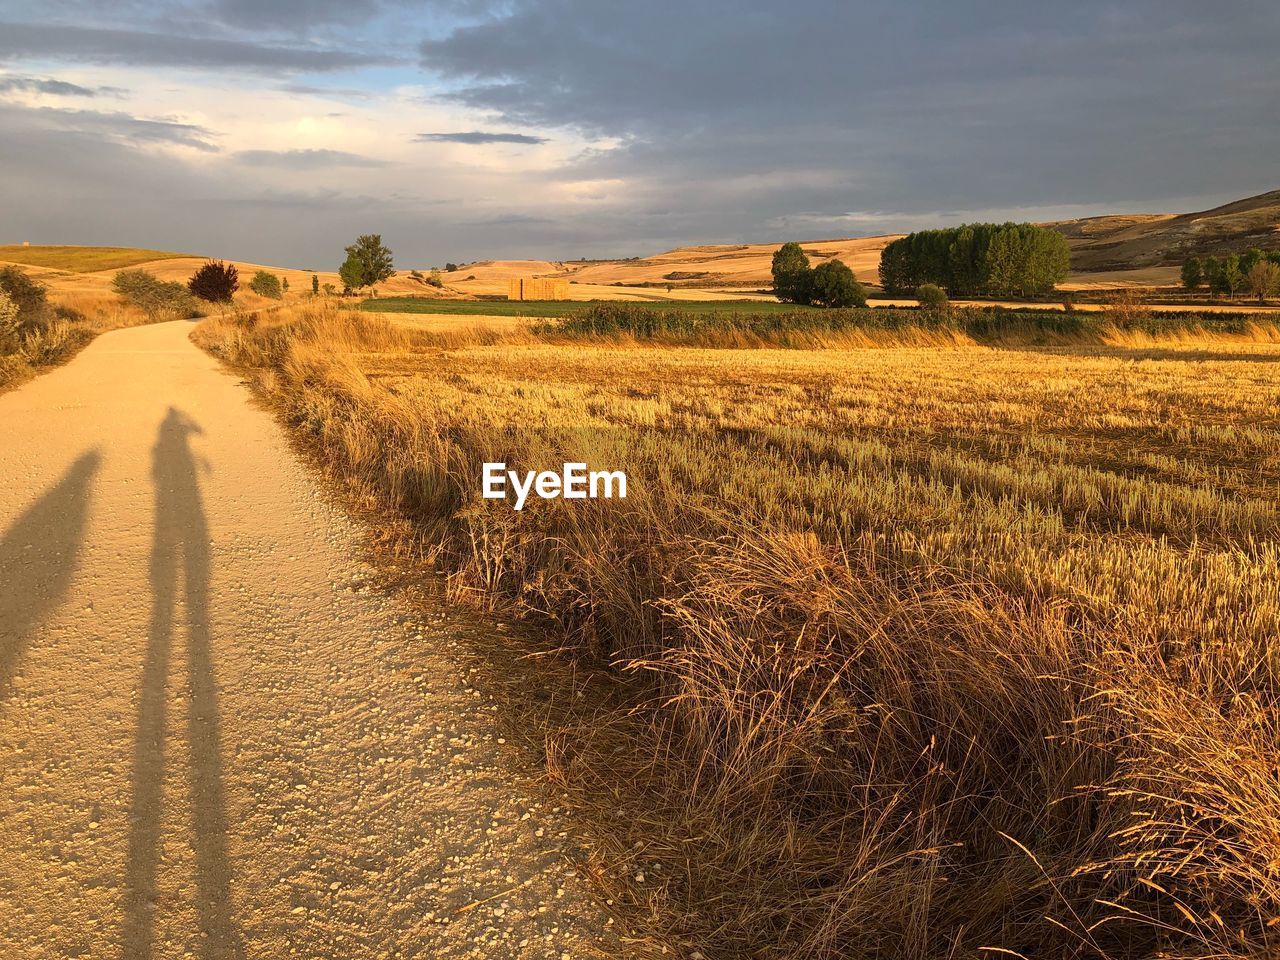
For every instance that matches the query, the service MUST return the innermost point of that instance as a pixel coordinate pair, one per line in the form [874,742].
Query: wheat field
[916,648]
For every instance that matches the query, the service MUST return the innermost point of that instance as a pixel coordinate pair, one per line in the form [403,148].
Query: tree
[215,282]
[315,285]
[1192,274]
[266,284]
[1263,279]
[1231,275]
[791,274]
[373,258]
[833,284]
[351,273]
[932,297]
[1007,259]
[284,284]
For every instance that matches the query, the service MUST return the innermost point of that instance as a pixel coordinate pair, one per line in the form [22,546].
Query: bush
[266,284]
[435,279]
[8,322]
[157,298]
[216,282]
[833,284]
[932,297]
[28,297]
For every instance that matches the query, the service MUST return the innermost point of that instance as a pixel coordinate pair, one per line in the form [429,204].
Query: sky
[275,131]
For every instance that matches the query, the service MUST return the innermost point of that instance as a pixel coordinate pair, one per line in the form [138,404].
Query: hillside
[1147,240]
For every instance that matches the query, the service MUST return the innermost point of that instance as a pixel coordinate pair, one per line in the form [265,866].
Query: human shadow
[179,554]
[38,557]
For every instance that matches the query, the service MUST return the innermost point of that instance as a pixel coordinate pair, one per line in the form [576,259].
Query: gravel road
[218,738]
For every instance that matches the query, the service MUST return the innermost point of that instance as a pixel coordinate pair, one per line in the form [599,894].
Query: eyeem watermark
[574,482]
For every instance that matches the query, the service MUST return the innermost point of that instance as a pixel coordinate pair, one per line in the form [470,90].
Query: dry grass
[930,651]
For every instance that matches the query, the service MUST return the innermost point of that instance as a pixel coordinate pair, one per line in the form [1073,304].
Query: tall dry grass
[921,652]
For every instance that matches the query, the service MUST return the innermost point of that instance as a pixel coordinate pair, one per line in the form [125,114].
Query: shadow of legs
[180,545]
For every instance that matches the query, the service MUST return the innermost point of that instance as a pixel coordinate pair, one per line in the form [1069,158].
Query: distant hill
[1134,241]
[82,259]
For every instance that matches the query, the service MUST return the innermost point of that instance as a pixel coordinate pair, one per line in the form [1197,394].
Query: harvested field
[932,651]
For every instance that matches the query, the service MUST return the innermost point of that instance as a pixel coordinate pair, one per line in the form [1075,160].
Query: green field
[562,308]
[83,259]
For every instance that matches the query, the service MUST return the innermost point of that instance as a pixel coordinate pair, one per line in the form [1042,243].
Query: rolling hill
[1132,242]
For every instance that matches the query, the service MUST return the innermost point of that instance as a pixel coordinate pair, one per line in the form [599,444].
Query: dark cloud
[305,159]
[742,116]
[478,137]
[56,88]
[137,48]
[294,15]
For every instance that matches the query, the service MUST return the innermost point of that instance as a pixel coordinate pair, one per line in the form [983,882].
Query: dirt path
[216,740]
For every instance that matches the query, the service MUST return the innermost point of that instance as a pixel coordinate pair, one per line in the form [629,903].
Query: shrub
[157,298]
[266,284]
[315,285]
[833,284]
[28,296]
[8,322]
[435,279]
[791,274]
[932,297]
[216,282]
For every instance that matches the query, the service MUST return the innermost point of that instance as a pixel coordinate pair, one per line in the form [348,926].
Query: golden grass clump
[934,651]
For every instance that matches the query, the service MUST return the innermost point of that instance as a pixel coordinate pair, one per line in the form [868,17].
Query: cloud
[739,118]
[98,45]
[122,128]
[478,137]
[305,159]
[52,87]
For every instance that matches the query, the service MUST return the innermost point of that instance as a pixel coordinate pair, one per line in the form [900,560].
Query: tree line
[977,259]
[1253,271]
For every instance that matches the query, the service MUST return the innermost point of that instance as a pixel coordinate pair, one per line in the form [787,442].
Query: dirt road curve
[216,741]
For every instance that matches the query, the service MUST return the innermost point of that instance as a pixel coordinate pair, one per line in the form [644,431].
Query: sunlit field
[922,647]
[82,259]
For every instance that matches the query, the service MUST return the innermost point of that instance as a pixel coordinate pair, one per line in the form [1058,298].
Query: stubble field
[929,650]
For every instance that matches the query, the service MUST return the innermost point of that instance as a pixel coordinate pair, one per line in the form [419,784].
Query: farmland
[83,259]
[548,308]
[929,645]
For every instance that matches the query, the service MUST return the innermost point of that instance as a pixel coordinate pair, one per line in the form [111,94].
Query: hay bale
[538,288]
